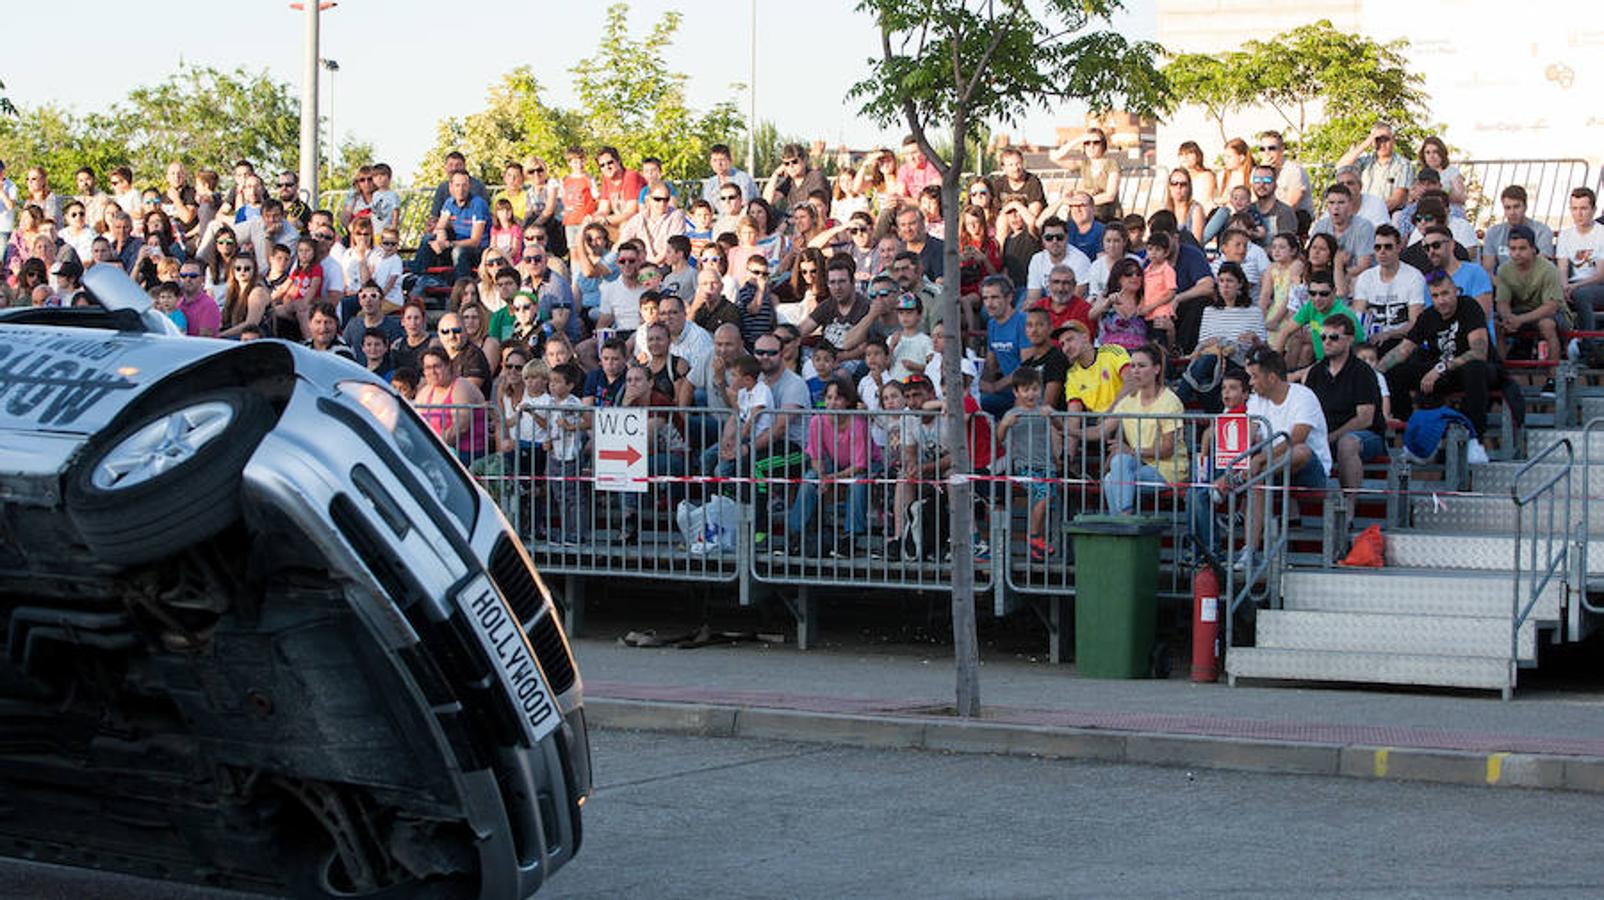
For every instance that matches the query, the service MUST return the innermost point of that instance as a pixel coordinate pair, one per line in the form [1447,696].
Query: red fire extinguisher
[1205,624]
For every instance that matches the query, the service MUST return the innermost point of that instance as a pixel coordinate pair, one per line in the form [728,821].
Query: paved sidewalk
[896,696]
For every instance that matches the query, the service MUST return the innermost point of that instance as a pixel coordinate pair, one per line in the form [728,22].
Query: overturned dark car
[260,629]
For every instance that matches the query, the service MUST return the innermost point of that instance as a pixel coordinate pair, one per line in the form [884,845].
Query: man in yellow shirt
[1096,377]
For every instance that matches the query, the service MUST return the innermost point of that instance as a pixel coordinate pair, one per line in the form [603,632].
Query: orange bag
[1369,549]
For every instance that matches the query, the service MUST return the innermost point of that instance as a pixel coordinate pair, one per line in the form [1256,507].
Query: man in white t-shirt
[1580,253]
[620,298]
[1299,425]
[1055,251]
[1388,296]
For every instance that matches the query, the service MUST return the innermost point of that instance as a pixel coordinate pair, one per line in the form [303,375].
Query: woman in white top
[1116,246]
[1434,155]
[1231,329]
[1204,183]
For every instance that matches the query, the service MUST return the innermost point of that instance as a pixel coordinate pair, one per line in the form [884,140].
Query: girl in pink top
[838,452]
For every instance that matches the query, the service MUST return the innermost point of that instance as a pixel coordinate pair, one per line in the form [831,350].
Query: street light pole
[309,118]
[751,101]
[332,67]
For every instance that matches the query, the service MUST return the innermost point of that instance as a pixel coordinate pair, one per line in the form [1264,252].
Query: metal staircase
[1440,614]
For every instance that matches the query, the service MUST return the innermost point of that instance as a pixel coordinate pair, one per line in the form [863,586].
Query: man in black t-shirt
[1016,184]
[1445,351]
[1350,397]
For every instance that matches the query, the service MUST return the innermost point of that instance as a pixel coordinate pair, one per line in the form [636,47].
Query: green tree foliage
[515,124]
[633,101]
[200,116]
[6,106]
[1328,87]
[963,65]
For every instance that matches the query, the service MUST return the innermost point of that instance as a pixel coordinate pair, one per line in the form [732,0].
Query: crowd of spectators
[740,305]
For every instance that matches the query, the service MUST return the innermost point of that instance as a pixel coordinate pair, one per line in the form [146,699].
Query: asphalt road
[677,816]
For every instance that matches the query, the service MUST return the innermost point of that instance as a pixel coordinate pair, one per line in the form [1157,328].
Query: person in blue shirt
[1005,338]
[465,222]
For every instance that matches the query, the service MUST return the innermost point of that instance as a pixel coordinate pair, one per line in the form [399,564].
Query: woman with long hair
[157,223]
[218,251]
[1434,155]
[1323,254]
[877,181]
[1118,312]
[406,350]
[1148,449]
[1099,176]
[545,192]
[1178,199]
[246,298]
[19,249]
[1204,183]
[770,239]
[796,297]
[1281,287]
[476,330]
[593,265]
[463,290]
[845,197]
[1236,169]
[1232,327]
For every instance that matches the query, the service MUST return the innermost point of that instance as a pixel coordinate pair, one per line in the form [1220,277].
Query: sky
[806,60]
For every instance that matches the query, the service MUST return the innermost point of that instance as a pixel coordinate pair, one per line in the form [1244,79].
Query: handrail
[1592,427]
[1553,561]
[1272,546]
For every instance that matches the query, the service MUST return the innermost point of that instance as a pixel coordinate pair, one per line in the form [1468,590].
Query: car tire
[169,478]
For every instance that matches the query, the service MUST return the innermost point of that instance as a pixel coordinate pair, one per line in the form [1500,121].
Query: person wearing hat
[1426,181]
[69,277]
[1095,378]
[911,348]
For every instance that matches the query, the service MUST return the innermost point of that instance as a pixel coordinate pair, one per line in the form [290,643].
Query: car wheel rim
[162,445]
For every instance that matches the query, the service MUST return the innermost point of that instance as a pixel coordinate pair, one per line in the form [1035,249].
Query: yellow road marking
[1495,767]
[1381,761]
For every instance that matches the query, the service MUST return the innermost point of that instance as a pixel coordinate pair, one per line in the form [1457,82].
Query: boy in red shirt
[579,195]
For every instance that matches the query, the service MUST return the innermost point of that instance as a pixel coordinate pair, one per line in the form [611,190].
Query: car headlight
[380,403]
[418,446]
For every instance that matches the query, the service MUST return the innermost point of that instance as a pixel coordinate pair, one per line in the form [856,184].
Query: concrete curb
[1516,770]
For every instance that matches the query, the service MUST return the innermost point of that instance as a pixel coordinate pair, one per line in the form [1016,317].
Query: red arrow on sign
[628,456]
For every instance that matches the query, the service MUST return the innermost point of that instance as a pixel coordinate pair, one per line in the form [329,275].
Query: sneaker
[1548,386]
[982,551]
[1475,453]
[703,548]
[1244,561]
[1040,550]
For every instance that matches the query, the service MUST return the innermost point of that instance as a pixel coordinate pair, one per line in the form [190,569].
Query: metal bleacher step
[1407,635]
[1481,552]
[1491,515]
[1411,592]
[1539,439]
[1496,478]
[1589,406]
[1483,672]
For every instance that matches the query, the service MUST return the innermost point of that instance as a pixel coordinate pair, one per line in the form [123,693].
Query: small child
[579,195]
[165,298]
[1158,287]
[564,440]
[701,230]
[306,279]
[532,436]
[876,357]
[752,399]
[1034,446]
[405,381]
[376,352]
[278,265]
[386,269]
[1202,500]
[506,232]
[911,348]
[1370,355]
[819,370]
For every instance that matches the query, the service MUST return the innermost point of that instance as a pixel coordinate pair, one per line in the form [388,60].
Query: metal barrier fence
[857,499]
[1548,184]
[412,219]
[1544,553]
[1593,429]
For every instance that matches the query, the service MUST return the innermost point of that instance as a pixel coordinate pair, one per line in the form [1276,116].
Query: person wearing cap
[1385,173]
[1527,292]
[1426,181]
[911,348]
[1431,213]
[1095,377]
[68,273]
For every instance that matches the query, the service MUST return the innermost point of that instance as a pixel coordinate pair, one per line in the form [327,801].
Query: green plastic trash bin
[1116,594]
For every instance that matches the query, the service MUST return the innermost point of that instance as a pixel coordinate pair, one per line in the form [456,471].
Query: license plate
[513,658]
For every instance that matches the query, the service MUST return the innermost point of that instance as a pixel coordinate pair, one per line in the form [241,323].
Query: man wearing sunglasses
[725,175]
[1291,178]
[1471,281]
[467,360]
[1279,218]
[794,180]
[1385,173]
[657,221]
[1390,295]
[1350,397]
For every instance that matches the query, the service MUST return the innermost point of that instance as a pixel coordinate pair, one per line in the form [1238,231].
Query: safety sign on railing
[1232,437]
[620,448]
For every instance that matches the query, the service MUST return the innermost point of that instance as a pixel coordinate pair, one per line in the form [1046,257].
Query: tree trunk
[960,492]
